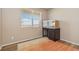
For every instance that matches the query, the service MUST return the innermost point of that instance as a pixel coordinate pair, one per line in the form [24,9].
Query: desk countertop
[51,27]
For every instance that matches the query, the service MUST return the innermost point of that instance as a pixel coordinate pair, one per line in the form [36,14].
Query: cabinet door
[44,32]
[51,34]
[57,34]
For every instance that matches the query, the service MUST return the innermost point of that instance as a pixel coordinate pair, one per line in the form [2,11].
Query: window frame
[32,21]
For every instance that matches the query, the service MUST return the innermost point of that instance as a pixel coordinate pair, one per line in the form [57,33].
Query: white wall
[11,26]
[69,23]
[0,28]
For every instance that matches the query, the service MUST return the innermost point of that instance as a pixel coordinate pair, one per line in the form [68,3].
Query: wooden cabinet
[57,34]
[52,33]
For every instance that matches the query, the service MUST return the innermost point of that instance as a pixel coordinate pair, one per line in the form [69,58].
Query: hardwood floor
[44,44]
[12,47]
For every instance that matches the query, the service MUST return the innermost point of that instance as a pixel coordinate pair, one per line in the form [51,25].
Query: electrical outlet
[12,38]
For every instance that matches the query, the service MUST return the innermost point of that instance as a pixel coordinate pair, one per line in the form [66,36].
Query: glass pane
[36,19]
[29,19]
[26,22]
[26,19]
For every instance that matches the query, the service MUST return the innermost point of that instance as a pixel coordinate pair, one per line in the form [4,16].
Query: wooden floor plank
[44,44]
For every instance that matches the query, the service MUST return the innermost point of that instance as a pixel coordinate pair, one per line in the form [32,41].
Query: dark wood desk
[52,33]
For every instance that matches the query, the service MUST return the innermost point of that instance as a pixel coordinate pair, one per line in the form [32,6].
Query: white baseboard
[20,41]
[70,42]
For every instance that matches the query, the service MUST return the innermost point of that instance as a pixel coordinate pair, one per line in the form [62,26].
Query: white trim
[70,42]
[19,41]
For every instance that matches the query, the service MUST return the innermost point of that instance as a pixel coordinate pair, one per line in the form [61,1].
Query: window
[36,20]
[30,19]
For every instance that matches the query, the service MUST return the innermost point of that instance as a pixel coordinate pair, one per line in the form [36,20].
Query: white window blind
[29,19]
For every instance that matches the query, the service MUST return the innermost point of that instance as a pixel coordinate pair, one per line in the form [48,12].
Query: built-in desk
[52,33]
